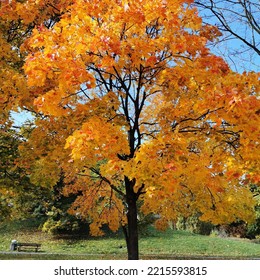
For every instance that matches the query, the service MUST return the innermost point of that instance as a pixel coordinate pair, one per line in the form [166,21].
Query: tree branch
[113,187]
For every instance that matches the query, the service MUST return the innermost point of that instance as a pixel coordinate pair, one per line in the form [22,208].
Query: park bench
[35,246]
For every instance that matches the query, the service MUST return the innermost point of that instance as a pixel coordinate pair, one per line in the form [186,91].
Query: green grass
[157,245]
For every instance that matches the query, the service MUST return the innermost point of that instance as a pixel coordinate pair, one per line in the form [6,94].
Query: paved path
[152,257]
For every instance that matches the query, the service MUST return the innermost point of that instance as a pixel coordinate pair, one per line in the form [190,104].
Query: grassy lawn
[157,245]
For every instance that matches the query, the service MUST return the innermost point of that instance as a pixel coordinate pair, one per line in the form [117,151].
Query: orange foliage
[142,107]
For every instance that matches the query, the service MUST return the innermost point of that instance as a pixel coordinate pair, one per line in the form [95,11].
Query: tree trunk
[131,234]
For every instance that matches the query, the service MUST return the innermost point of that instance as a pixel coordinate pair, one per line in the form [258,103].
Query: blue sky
[239,56]
[21,117]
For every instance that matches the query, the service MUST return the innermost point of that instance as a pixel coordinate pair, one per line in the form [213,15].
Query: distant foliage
[193,224]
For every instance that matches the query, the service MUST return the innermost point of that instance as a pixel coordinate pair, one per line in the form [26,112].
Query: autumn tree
[146,114]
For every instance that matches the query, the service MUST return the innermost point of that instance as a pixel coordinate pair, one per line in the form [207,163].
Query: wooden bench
[35,246]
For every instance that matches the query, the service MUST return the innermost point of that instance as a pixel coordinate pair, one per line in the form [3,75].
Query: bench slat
[36,246]
[28,244]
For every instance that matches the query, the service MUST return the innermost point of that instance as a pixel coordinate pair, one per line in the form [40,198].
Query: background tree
[253,230]
[8,153]
[46,162]
[239,21]
[27,185]
[152,115]
[19,197]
